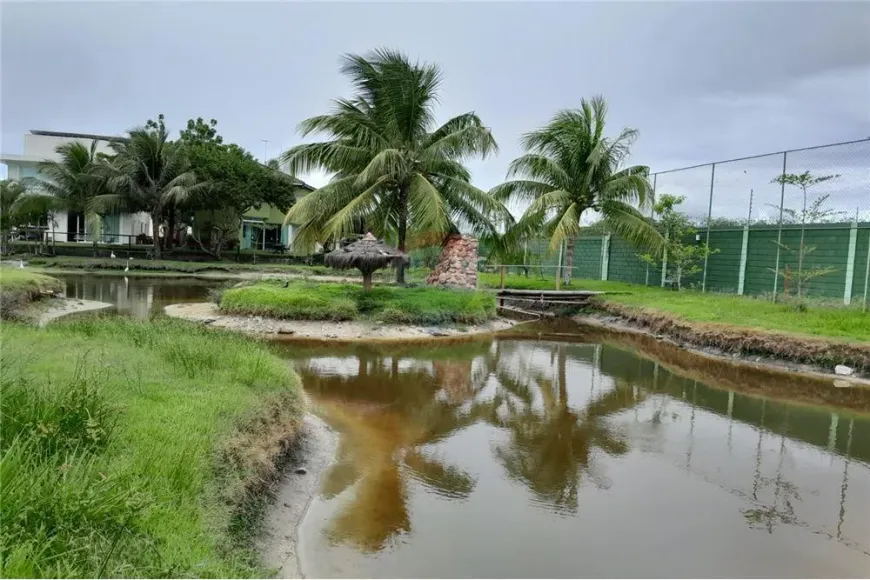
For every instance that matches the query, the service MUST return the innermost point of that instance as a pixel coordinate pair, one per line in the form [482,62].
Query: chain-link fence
[791,223]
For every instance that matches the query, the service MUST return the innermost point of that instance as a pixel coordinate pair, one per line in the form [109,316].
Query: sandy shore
[57,307]
[348,331]
[297,487]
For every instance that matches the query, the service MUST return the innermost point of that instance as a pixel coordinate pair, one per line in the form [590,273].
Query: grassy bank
[808,317]
[390,304]
[136,448]
[20,287]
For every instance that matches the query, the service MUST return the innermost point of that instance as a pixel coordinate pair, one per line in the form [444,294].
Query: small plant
[813,213]
[682,259]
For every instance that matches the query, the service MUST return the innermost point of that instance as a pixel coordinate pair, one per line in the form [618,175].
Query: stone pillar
[457,265]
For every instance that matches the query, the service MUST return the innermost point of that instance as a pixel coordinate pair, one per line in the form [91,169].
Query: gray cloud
[702,81]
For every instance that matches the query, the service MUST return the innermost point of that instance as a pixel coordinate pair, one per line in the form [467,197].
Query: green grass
[391,304]
[19,287]
[131,448]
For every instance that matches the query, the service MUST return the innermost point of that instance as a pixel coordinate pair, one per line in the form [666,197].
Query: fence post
[779,231]
[559,267]
[744,251]
[652,211]
[866,275]
[665,259]
[605,256]
[850,262]
[709,217]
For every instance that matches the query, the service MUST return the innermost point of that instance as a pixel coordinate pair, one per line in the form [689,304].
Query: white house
[40,146]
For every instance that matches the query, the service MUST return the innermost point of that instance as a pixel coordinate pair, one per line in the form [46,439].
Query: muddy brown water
[533,458]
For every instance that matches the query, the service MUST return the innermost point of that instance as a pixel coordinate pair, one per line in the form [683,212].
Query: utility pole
[265,150]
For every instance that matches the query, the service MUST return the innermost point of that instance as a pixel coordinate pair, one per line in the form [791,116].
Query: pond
[137,296]
[532,458]
[514,457]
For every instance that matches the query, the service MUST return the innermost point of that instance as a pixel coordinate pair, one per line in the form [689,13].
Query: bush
[392,304]
[132,448]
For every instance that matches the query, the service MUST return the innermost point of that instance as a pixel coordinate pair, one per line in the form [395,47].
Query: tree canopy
[395,172]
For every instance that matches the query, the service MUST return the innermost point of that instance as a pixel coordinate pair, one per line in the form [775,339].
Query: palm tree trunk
[569,259]
[403,231]
[170,237]
[563,376]
[155,230]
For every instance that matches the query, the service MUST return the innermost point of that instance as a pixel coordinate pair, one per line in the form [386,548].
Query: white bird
[21,263]
[127,267]
[112,255]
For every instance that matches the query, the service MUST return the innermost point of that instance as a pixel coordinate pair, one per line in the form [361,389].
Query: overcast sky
[701,81]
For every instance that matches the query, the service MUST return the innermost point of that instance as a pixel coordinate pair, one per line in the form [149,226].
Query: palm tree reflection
[386,420]
[552,446]
[389,419]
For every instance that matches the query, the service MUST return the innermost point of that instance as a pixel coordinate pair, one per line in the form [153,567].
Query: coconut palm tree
[394,172]
[149,173]
[70,183]
[570,167]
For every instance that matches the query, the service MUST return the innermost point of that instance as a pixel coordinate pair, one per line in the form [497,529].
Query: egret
[112,254]
[21,263]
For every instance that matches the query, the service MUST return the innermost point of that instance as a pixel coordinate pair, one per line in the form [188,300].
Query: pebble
[843,371]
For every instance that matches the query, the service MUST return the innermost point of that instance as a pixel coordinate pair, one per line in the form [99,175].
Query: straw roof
[367,254]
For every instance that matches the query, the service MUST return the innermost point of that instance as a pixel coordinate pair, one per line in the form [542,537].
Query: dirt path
[350,331]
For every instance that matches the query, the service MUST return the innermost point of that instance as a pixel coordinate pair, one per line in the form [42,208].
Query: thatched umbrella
[366,255]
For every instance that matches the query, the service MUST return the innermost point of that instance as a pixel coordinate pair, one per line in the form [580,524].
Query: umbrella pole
[367,280]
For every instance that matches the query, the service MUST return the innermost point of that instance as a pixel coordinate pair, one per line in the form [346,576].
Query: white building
[40,146]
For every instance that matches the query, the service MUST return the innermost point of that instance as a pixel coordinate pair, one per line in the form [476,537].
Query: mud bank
[298,485]
[788,351]
[57,307]
[349,331]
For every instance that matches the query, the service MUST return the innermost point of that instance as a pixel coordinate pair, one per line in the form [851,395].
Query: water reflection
[427,431]
[136,295]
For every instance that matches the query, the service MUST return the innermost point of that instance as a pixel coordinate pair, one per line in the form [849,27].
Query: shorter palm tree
[70,183]
[570,168]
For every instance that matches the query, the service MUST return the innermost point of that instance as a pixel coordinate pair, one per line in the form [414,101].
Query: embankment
[758,345]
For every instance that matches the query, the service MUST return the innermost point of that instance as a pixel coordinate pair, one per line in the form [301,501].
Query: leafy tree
[149,173]
[237,183]
[813,214]
[683,259]
[395,173]
[569,168]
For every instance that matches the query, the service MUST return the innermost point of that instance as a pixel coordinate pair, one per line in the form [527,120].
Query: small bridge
[534,304]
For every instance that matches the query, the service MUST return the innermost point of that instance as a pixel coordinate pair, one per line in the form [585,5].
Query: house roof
[78,135]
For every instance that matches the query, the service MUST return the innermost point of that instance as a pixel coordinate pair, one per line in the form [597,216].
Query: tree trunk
[367,281]
[155,230]
[170,234]
[403,231]
[569,259]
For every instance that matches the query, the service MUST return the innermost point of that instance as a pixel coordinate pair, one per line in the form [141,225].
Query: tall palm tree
[394,172]
[149,173]
[570,167]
